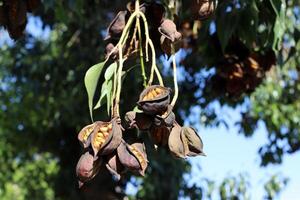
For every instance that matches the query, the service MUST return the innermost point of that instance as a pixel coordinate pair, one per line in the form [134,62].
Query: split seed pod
[101,136]
[160,135]
[154,99]
[84,135]
[133,157]
[205,8]
[116,137]
[168,29]
[114,166]
[194,142]
[87,168]
[141,121]
[176,142]
[166,119]
[117,25]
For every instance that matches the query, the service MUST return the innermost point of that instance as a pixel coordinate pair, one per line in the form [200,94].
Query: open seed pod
[133,157]
[168,29]
[154,99]
[117,25]
[115,141]
[141,121]
[87,168]
[84,135]
[165,119]
[101,136]
[114,166]
[204,8]
[176,142]
[194,142]
[160,135]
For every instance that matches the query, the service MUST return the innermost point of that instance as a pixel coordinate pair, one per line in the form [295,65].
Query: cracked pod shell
[165,119]
[114,166]
[154,99]
[84,135]
[141,121]
[176,142]
[115,140]
[194,142]
[160,135]
[87,168]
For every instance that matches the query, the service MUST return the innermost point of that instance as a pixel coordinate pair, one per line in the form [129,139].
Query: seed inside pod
[84,134]
[100,136]
[127,158]
[156,102]
[138,149]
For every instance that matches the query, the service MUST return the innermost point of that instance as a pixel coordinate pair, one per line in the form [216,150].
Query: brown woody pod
[160,135]
[17,20]
[205,8]
[176,142]
[87,168]
[84,135]
[117,25]
[116,138]
[194,142]
[168,29]
[101,136]
[127,158]
[154,99]
[141,121]
[139,150]
[166,119]
[114,166]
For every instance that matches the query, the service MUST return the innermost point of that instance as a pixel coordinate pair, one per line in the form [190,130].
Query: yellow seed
[253,63]
[154,93]
[104,129]
[158,90]
[109,126]
[150,96]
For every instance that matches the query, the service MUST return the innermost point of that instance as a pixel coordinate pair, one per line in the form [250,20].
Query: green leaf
[90,80]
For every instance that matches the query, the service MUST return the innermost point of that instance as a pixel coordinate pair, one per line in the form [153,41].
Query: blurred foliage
[43,102]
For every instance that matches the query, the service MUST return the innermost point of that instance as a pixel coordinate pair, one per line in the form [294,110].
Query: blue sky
[228,153]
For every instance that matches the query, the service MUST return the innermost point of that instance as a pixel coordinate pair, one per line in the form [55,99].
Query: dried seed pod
[195,144]
[166,45]
[17,20]
[117,25]
[153,105]
[87,168]
[84,135]
[108,51]
[127,158]
[141,121]
[205,8]
[165,119]
[3,19]
[176,142]
[139,151]
[116,129]
[114,166]
[160,135]
[100,137]
[168,29]
[32,4]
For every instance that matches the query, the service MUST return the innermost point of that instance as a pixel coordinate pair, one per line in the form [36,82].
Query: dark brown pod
[108,51]
[87,168]
[84,135]
[168,29]
[176,142]
[17,20]
[139,151]
[116,138]
[3,19]
[114,166]
[116,26]
[160,135]
[165,119]
[141,121]
[101,136]
[194,142]
[154,99]
[205,8]
[127,158]
[166,45]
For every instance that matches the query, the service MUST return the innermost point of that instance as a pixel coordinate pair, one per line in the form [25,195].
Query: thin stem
[174,76]
[114,93]
[154,67]
[117,111]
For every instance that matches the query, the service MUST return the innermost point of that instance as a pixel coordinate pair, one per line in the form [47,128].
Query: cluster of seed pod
[161,29]
[13,15]
[103,144]
[243,75]
[159,121]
